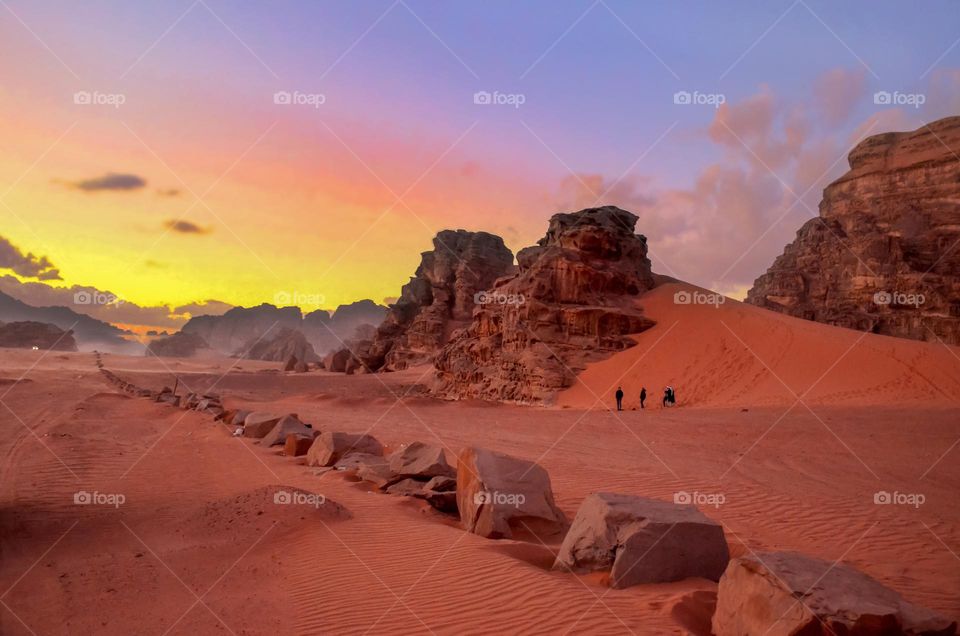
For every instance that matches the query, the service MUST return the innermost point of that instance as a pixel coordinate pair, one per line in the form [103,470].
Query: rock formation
[438,299]
[279,345]
[179,345]
[89,332]
[573,300]
[39,335]
[242,326]
[640,540]
[784,593]
[884,254]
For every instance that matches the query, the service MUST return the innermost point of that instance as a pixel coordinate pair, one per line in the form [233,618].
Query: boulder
[355,460]
[236,417]
[290,363]
[258,424]
[377,473]
[300,367]
[288,424]
[440,493]
[441,484]
[641,540]
[296,445]
[879,256]
[420,461]
[496,492]
[331,446]
[785,593]
[405,487]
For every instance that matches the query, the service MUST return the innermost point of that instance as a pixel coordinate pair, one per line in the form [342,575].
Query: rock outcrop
[439,298]
[640,540]
[179,345]
[883,255]
[498,494]
[241,327]
[40,335]
[279,345]
[573,300]
[783,593]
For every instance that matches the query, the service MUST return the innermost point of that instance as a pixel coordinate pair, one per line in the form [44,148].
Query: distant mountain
[89,333]
[241,326]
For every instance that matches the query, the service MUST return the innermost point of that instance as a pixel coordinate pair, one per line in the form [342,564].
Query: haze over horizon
[203,154]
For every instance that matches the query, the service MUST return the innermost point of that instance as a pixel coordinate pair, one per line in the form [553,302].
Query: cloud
[205,307]
[168,192]
[838,92]
[27,265]
[185,227]
[111,181]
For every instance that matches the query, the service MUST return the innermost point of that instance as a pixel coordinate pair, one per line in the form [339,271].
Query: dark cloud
[111,181]
[169,192]
[207,307]
[27,264]
[185,227]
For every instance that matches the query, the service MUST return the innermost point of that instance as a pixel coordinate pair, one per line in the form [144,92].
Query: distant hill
[89,333]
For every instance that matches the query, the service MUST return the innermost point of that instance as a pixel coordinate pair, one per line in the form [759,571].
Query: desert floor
[199,547]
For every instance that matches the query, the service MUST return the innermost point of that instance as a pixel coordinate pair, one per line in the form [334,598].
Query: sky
[160,160]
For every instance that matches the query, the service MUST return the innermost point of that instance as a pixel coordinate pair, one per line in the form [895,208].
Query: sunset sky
[185,181]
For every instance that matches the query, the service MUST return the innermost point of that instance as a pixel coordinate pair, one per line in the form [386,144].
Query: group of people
[669,397]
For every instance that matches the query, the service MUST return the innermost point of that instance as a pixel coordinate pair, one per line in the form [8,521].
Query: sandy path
[190,519]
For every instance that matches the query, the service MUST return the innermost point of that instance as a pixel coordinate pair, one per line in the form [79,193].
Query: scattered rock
[643,540]
[288,424]
[258,424]
[297,445]
[785,593]
[420,461]
[496,491]
[405,487]
[330,446]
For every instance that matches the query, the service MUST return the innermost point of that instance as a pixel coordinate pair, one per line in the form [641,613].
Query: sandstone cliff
[44,336]
[883,256]
[439,298]
[573,300]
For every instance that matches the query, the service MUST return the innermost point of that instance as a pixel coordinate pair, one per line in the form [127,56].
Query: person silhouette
[643,396]
[619,398]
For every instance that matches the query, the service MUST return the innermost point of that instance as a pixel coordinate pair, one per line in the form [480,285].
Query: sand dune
[738,355]
[197,548]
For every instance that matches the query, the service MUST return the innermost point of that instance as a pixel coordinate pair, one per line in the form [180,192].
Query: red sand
[198,518]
